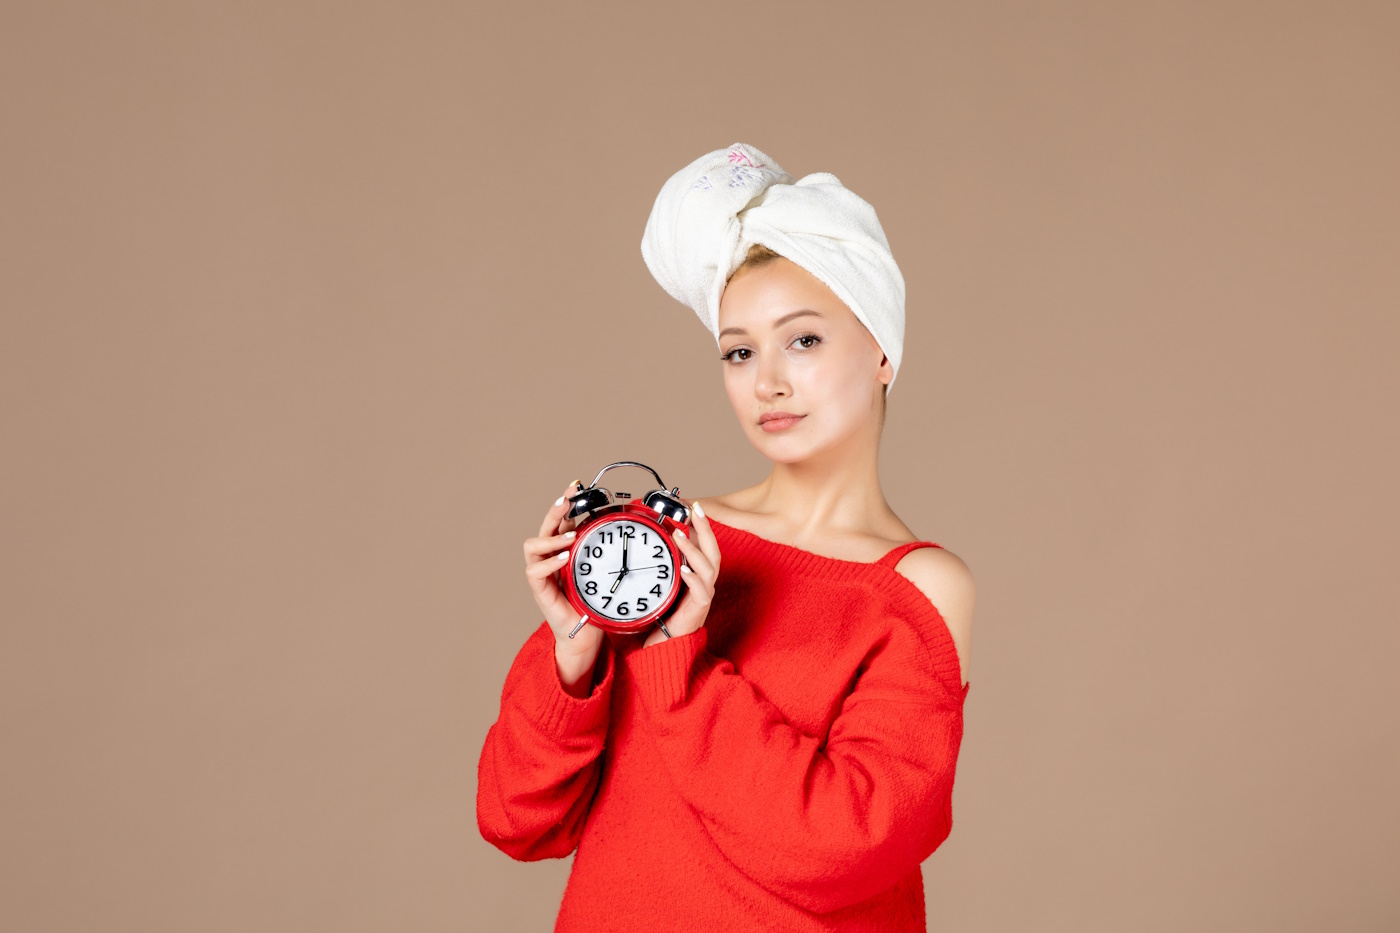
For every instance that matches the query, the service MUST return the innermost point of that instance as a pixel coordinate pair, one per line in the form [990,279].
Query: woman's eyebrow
[776,324]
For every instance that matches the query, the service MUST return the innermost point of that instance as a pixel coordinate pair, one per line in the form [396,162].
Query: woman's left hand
[699,569]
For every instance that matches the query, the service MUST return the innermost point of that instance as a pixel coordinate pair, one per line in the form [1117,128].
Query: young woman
[785,757]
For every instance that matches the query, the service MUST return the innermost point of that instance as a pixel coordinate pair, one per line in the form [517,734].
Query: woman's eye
[730,356]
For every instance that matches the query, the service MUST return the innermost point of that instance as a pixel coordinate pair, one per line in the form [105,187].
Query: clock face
[606,551]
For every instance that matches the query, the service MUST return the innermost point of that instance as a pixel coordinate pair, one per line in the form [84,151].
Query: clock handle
[631,463]
[668,504]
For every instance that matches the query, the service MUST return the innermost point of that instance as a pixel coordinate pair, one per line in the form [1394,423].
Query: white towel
[710,212]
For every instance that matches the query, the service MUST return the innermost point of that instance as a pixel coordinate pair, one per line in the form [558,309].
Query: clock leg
[582,619]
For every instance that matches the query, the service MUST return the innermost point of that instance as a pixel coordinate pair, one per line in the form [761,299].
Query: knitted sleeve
[539,767]
[822,824]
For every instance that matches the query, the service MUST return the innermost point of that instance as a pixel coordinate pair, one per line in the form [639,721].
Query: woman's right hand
[574,656]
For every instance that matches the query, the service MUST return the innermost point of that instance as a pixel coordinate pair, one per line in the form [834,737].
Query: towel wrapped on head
[710,212]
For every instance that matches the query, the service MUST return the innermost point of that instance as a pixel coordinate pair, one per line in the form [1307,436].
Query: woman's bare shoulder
[724,508]
[947,581]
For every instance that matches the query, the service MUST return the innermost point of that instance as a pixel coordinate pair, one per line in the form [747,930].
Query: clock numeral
[656,591]
[644,537]
[663,572]
[585,569]
[622,608]
[591,587]
[641,604]
[606,600]
[660,551]
[593,550]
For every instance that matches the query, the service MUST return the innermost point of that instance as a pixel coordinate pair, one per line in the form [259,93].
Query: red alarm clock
[623,569]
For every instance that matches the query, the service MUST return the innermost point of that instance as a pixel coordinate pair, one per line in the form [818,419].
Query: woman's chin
[782,447]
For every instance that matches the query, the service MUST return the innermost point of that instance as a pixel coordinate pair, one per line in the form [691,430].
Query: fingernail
[699,511]
[562,555]
[685,569]
[559,501]
[570,534]
[678,535]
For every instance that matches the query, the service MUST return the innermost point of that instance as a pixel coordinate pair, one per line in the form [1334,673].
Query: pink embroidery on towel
[738,155]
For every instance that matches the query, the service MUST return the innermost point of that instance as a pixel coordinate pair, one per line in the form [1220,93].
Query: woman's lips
[779,424]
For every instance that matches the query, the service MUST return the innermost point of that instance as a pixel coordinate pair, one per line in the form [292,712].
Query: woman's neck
[821,499]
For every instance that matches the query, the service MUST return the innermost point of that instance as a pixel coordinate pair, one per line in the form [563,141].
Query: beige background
[305,308]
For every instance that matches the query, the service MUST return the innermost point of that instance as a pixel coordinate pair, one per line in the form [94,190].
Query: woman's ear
[886,370]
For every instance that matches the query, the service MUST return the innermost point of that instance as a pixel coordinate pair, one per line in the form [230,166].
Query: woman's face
[789,344]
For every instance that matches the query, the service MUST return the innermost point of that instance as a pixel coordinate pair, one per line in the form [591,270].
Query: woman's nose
[771,379]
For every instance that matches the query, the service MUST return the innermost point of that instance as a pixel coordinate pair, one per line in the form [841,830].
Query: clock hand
[622,572]
[630,569]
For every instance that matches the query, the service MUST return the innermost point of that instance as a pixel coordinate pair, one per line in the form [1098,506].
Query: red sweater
[785,767]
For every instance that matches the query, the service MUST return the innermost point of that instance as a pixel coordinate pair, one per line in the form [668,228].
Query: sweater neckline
[905,596]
